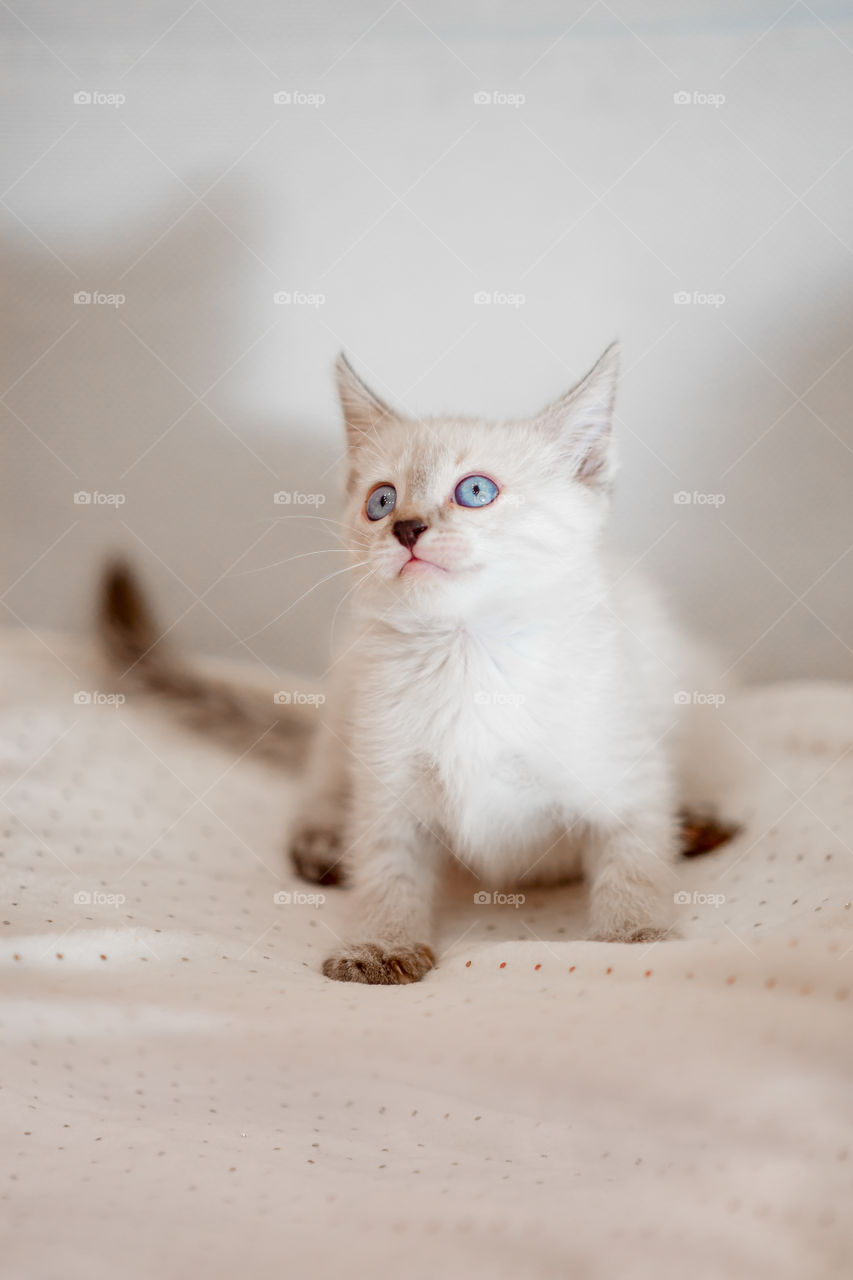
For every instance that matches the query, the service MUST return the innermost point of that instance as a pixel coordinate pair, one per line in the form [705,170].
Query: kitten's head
[451,515]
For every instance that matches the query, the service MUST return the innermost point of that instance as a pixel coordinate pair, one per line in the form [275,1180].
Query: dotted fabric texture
[184,1094]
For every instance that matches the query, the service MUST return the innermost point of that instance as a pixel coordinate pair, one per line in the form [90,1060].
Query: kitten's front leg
[630,879]
[394,870]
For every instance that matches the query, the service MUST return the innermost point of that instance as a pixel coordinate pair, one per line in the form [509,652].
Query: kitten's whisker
[324,551]
[284,612]
[324,519]
[343,601]
[352,532]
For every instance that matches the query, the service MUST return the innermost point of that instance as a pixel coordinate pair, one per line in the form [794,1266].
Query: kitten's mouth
[418,567]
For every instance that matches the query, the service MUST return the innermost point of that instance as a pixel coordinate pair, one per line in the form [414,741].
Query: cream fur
[513,708]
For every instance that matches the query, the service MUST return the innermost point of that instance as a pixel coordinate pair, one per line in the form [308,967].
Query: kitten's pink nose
[407,532]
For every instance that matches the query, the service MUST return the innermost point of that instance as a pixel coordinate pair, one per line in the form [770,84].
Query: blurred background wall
[675,175]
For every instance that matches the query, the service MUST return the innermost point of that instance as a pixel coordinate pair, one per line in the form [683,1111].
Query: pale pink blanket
[184,1094]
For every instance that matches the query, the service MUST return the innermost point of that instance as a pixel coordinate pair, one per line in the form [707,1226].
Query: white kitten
[505,697]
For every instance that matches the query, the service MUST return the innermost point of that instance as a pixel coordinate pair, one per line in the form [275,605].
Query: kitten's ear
[582,418]
[362,408]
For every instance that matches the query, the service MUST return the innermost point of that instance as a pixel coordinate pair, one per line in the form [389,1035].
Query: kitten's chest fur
[492,728]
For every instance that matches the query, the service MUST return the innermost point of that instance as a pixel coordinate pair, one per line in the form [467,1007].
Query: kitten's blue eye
[381,501]
[476,491]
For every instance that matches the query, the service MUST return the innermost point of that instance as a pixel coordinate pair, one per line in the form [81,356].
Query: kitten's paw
[628,907]
[316,855]
[703,832]
[379,964]
[641,933]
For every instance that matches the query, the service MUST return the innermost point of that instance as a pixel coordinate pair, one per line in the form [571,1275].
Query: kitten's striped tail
[244,718]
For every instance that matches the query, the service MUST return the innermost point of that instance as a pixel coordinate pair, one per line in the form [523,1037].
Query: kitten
[506,696]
